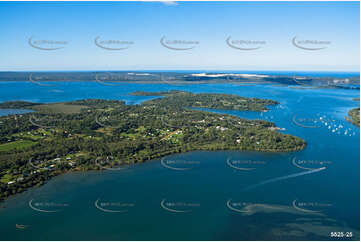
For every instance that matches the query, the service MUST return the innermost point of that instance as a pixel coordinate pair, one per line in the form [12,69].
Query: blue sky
[335,25]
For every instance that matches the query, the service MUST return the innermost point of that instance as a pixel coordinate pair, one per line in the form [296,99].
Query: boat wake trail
[284,178]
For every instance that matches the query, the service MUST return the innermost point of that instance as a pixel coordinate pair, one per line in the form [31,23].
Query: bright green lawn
[20,144]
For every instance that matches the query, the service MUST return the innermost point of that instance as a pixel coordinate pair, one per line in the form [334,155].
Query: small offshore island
[354,114]
[105,134]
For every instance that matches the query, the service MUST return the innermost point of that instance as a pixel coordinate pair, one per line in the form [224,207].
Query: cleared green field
[59,108]
[21,144]
[6,178]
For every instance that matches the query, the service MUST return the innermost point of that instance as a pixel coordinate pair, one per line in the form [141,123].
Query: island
[96,134]
[354,114]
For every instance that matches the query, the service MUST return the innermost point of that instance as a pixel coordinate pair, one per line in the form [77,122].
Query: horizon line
[190,70]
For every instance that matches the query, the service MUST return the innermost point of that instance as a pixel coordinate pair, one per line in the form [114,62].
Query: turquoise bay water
[274,200]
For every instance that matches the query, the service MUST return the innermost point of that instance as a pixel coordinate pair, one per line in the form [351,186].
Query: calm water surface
[302,195]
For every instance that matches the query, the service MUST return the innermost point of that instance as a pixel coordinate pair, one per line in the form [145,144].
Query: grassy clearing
[6,178]
[59,108]
[18,145]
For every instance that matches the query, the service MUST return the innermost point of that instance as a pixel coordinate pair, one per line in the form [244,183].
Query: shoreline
[3,200]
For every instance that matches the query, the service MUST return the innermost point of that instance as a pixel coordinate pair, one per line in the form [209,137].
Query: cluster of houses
[42,169]
[221,128]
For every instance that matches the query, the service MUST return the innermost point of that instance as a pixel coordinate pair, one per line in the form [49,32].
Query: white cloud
[169,3]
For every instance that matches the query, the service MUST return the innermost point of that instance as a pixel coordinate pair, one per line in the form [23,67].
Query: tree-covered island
[103,134]
[354,114]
